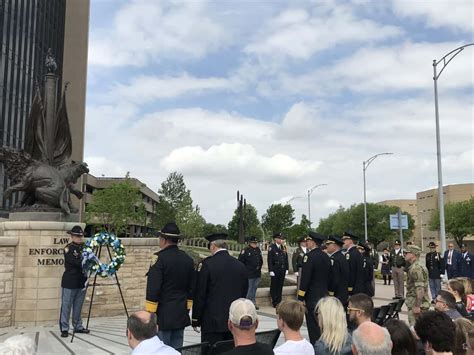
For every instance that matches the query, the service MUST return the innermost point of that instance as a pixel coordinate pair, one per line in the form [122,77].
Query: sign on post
[394,221]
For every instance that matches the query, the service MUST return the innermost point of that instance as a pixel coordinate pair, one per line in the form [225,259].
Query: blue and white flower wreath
[91,263]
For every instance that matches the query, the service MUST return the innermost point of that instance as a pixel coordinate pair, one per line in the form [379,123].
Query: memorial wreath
[91,263]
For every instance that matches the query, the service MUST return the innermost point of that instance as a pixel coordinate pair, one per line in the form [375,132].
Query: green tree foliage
[278,218]
[459,219]
[298,230]
[378,223]
[210,228]
[252,224]
[116,207]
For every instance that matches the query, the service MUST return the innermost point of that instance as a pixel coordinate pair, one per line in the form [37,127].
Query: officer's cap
[414,249]
[397,242]
[252,239]
[170,230]
[464,245]
[76,231]
[334,239]
[366,246]
[432,245]
[349,235]
[279,235]
[216,236]
[303,239]
[318,238]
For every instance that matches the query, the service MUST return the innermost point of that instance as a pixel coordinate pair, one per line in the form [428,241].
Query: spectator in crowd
[290,318]
[436,332]
[142,335]
[402,338]
[335,339]
[463,328]
[456,287]
[452,261]
[18,345]
[467,282]
[360,308]
[386,268]
[242,323]
[371,339]
[446,303]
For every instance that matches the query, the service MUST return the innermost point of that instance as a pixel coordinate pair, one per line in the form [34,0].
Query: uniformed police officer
[466,265]
[364,249]
[298,254]
[339,269]
[356,264]
[221,279]
[397,260]
[277,267]
[252,258]
[435,266]
[169,288]
[417,300]
[315,275]
[73,284]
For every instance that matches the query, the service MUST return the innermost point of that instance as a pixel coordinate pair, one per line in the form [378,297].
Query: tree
[298,230]
[378,223]
[192,223]
[252,224]
[210,228]
[278,218]
[459,220]
[116,207]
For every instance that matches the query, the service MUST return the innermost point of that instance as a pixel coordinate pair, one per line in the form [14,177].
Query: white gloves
[296,274]
[286,272]
[272,273]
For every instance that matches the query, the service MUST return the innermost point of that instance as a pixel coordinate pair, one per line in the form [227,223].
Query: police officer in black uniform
[339,269]
[73,284]
[277,267]
[356,264]
[169,288]
[252,258]
[364,249]
[435,266]
[298,254]
[221,279]
[315,276]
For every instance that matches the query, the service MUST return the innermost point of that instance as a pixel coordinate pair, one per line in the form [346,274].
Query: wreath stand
[94,284]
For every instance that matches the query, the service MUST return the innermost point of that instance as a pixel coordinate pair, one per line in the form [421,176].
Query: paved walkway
[108,334]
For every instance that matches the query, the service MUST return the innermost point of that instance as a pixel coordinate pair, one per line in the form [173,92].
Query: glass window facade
[27,29]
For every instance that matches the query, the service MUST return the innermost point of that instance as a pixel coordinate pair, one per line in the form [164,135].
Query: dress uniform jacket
[277,259]
[368,276]
[466,265]
[221,279]
[169,288]
[356,271]
[73,276]
[297,259]
[339,277]
[314,276]
[435,265]
[253,261]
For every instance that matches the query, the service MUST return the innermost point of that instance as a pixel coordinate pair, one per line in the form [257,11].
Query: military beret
[414,249]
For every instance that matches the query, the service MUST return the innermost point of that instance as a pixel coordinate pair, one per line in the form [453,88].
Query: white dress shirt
[153,346]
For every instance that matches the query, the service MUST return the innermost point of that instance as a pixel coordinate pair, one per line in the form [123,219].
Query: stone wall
[7,256]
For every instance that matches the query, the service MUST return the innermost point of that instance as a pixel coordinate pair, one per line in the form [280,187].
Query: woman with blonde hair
[335,339]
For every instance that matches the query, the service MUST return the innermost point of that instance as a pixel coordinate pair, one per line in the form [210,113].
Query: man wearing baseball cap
[417,300]
[242,323]
[73,289]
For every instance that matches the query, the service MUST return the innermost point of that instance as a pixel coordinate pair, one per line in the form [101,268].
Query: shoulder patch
[66,250]
[348,256]
[153,260]
[243,251]
[305,259]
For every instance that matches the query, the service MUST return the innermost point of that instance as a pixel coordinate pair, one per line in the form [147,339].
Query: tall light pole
[310,191]
[444,61]
[365,165]
[292,199]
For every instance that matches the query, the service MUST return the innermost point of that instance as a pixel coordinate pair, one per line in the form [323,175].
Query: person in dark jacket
[356,264]
[169,288]
[251,257]
[277,267]
[364,249]
[315,276]
[386,267]
[435,265]
[298,254]
[339,269]
[221,279]
[73,284]
[466,265]
[452,261]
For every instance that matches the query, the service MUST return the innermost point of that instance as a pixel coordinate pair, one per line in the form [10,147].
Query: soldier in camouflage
[417,299]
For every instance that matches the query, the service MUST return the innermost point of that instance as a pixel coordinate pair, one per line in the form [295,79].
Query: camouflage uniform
[417,277]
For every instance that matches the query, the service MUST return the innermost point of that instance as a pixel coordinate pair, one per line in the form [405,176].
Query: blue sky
[273,97]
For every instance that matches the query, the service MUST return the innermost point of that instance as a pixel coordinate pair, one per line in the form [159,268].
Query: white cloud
[457,14]
[300,33]
[144,31]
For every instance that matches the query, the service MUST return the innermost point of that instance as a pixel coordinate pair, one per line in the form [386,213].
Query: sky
[274,97]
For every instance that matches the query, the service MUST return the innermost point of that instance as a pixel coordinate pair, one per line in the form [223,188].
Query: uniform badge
[199,267]
[305,259]
[66,250]
[348,256]
[153,260]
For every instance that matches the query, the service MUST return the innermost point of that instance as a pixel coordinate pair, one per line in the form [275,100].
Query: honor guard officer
[298,254]
[364,249]
[221,279]
[169,288]
[73,284]
[466,268]
[397,259]
[356,264]
[278,267]
[435,266]
[339,269]
[315,276]
[252,258]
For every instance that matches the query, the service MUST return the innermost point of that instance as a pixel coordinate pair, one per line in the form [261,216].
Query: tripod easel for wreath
[91,259]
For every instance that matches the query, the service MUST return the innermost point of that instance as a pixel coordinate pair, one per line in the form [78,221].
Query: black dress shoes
[64,334]
[82,331]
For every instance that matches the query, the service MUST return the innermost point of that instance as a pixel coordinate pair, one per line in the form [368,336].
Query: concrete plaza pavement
[108,333]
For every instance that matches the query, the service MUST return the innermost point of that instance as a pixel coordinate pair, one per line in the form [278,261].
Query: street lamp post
[310,191]
[365,165]
[444,61]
